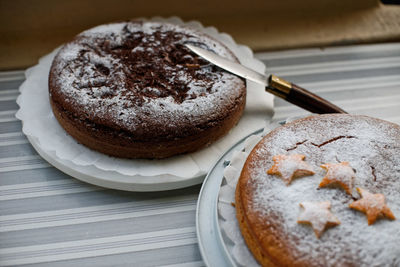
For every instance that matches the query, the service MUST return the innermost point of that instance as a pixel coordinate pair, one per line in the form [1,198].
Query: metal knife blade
[273,84]
[230,66]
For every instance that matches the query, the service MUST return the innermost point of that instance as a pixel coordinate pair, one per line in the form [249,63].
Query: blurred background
[30,29]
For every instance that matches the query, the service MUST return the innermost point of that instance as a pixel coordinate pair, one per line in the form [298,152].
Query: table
[50,219]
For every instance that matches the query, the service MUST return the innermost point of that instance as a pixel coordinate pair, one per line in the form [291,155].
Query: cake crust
[267,208]
[132,89]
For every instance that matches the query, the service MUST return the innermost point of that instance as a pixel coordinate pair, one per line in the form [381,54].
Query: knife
[273,84]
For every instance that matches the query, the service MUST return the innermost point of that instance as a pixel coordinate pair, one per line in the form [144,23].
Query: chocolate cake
[132,89]
[323,191]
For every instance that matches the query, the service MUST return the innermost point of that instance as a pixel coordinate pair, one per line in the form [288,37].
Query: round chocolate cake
[323,191]
[132,89]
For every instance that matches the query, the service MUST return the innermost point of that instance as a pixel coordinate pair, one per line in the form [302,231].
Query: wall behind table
[30,29]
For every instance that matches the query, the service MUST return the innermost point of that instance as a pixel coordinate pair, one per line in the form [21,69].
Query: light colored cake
[352,212]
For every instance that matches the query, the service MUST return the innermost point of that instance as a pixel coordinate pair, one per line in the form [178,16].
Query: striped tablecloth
[50,219]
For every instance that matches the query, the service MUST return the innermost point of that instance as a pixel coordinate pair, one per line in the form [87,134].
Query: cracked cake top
[372,149]
[122,75]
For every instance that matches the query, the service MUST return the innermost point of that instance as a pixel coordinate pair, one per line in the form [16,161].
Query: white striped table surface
[50,219]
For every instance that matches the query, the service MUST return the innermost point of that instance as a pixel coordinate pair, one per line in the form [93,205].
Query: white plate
[213,247]
[115,180]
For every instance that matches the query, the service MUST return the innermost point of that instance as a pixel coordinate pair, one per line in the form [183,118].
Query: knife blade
[273,84]
[230,66]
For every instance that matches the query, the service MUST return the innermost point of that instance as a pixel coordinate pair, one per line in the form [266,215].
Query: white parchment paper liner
[40,123]
[228,223]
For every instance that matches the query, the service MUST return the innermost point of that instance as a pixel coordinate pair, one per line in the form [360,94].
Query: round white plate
[112,179]
[211,242]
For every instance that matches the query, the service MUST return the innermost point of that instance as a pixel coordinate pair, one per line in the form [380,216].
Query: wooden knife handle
[307,100]
[301,97]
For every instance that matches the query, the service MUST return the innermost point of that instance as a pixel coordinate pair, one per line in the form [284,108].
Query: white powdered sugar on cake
[89,90]
[372,147]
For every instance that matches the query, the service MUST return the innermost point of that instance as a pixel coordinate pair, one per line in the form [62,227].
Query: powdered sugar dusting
[100,83]
[340,174]
[104,29]
[290,166]
[318,215]
[375,144]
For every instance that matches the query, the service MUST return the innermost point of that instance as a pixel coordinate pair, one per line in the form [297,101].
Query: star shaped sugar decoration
[318,215]
[290,166]
[341,174]
[373,205]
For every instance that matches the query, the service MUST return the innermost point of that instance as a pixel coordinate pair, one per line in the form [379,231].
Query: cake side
[122,144]
[263,256]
